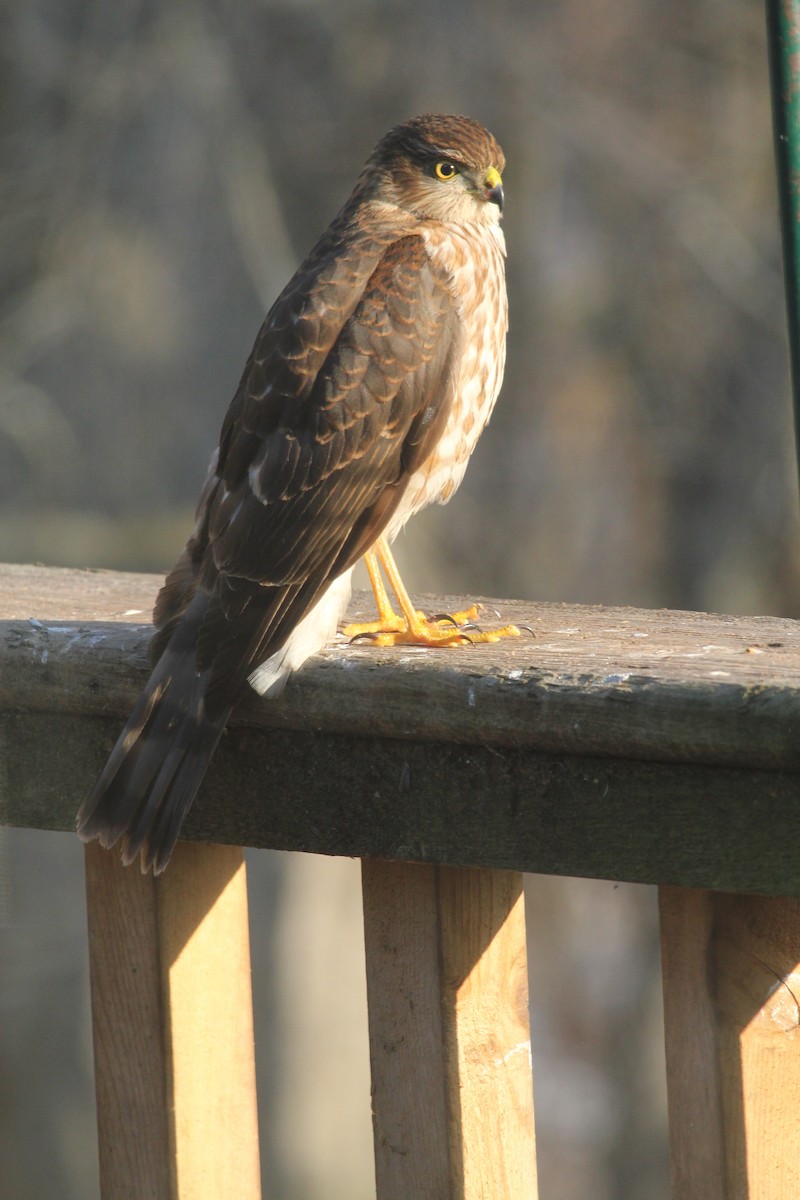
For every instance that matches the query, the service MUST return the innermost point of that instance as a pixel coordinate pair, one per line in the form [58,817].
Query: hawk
[369,383]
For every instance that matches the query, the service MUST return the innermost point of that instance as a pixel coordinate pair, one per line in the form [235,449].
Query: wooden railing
[657,747]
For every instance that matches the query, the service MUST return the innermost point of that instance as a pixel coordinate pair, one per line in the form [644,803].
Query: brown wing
[343,396]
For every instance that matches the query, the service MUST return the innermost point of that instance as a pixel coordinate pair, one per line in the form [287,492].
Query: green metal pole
[783,36]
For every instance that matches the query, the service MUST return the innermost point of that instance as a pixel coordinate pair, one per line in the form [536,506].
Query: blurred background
[163,167]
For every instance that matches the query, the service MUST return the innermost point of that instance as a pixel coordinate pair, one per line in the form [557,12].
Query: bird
[369,383]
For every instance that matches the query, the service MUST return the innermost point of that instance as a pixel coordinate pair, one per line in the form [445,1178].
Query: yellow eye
[445,170]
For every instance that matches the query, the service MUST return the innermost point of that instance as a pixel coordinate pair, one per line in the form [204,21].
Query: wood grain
[731,967]
[690,824]
[449,1033]
[407,1050]
[646,746]
[172,1021]
[131,1078]
[487,1033]
[681,687]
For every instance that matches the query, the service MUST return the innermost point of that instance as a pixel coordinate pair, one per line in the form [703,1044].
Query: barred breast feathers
[474,259]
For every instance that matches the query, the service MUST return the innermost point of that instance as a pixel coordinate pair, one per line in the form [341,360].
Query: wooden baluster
[449,1032]
[731,968]
[173,1031]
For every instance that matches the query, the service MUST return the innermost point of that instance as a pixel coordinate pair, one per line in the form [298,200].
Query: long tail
[148,784]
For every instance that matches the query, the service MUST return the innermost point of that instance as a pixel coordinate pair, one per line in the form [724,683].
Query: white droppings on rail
[471,696]
[92,639]
[701,653]
[77,637]
[520,1048]
[343,662]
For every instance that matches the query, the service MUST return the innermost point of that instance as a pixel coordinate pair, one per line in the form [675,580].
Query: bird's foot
[414,628]
[445,629]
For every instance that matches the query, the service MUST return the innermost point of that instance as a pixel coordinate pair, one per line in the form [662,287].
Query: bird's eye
[445,170]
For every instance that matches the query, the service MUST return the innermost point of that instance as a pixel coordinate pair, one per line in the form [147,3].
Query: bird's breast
[474,259]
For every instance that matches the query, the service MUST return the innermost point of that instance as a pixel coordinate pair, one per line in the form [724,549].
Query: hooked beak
[493,187]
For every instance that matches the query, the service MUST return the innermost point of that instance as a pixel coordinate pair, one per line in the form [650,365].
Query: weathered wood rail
[657,747]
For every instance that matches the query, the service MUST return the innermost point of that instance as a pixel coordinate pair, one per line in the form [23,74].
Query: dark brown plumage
[353,384]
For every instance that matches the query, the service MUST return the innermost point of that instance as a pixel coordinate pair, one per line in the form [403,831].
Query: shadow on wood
[650,746]
[450,1047]
[172,1020]
[617,743]
[732,1021]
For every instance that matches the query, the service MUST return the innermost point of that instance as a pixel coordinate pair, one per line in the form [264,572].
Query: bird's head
[441,168]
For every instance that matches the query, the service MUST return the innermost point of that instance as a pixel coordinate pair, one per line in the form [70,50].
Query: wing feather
[345,392]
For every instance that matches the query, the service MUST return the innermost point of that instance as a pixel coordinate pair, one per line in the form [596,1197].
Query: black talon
[446,617]
[371,635]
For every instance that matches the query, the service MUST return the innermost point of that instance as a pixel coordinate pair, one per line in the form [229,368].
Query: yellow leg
[413,628]
[387,617]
